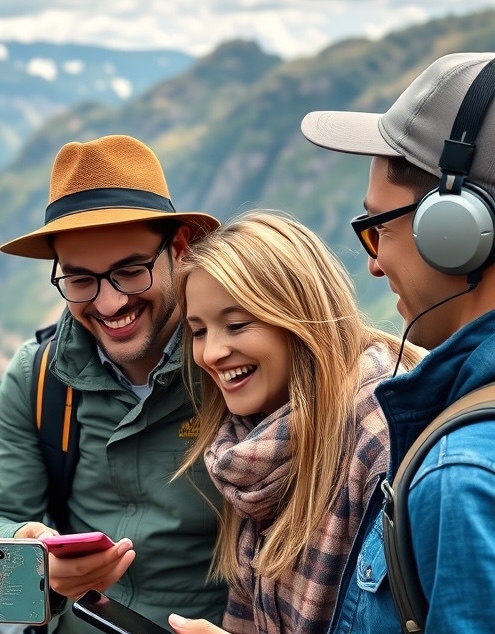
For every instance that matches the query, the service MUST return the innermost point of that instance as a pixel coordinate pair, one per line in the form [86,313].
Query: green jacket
[128,452]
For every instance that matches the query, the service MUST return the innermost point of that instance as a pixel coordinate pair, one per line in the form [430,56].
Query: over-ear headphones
[454,224]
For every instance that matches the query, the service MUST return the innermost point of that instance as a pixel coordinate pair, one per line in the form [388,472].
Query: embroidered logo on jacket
[189,429]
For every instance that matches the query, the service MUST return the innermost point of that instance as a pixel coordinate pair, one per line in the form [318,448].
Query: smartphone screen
[24,585]
[77,544]
[112,617]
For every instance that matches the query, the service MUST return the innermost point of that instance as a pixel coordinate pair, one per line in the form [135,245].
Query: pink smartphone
[77,544]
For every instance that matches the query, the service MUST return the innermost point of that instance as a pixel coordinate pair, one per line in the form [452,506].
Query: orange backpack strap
[55,415]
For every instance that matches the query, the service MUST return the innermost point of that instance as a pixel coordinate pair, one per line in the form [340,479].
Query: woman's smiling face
[248,359]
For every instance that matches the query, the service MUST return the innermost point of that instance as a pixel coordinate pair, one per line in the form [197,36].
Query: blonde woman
[290,430]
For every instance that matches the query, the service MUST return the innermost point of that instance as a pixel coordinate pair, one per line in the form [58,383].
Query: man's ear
[180,242]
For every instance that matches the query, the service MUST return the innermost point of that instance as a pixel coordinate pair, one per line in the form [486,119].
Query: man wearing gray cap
[429,227]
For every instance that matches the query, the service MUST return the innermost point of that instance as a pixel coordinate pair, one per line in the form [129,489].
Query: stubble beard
[154,340]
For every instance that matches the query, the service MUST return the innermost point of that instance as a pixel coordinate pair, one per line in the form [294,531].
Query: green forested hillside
[228,135]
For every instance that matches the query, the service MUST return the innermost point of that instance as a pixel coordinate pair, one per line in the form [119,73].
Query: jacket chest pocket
[368,606]
[371,565]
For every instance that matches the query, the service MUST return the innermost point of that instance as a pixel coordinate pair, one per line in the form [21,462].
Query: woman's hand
[193,626]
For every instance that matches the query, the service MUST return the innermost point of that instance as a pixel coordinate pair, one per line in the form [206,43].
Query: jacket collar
[461,364]
[78,364]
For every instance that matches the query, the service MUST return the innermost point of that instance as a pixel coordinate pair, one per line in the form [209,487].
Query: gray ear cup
[453,226]
[455,233]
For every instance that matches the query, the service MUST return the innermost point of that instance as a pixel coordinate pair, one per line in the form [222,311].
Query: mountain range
[40,80]
[227,131]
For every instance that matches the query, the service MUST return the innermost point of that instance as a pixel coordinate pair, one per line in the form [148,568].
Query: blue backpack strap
[55,415]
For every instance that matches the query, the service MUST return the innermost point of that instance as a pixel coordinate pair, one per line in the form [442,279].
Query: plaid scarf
[248,462]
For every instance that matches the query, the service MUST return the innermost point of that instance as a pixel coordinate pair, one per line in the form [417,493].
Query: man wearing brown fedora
[114,238]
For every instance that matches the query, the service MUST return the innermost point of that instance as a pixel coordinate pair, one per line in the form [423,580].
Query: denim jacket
[451,501]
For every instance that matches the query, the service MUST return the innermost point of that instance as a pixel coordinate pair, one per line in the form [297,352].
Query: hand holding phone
[112,617]
[24,586]
[77,544]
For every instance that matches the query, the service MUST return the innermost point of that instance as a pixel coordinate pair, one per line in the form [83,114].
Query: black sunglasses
[365,226]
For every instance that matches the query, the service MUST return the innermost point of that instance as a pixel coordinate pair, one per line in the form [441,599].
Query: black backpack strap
[411,604]
[55,415]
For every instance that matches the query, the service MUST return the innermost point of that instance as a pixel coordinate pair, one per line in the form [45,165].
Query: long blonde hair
[284,275]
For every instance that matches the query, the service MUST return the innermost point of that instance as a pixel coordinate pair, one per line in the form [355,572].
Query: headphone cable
[473,279]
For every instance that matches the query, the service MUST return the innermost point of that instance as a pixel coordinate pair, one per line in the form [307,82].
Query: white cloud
[392,20]
[42,67]
[73,66]
[121,87]
[287,27]
[4,52]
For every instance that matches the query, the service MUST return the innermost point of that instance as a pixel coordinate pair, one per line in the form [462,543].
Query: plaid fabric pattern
[247,462]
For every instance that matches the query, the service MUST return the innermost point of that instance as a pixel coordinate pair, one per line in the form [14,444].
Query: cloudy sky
[290,28]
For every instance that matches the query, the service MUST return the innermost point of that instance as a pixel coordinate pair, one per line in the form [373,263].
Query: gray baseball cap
[417,124]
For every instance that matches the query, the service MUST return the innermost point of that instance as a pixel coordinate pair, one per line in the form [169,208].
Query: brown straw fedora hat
[112,180]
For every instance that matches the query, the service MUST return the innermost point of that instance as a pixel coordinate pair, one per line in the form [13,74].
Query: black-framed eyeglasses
[133,279]
[365,226]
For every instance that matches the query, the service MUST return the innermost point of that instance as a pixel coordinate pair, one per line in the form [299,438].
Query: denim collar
[464,362]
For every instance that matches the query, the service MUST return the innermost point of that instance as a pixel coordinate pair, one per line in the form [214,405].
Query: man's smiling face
[131,329]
